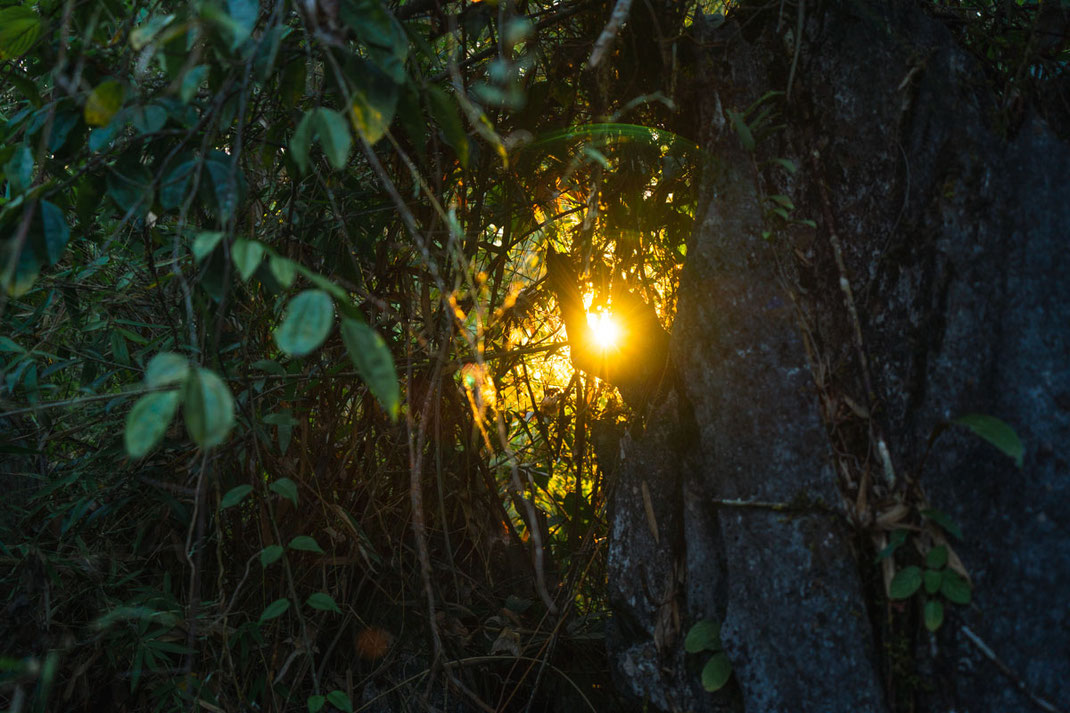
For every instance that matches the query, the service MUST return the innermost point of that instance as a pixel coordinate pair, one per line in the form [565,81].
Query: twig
[616,21]
[989,654]
[798,46]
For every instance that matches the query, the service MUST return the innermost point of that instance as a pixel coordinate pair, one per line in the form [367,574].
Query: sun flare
[604,329]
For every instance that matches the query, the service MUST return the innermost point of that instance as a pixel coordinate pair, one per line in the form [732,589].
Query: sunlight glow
[604,329]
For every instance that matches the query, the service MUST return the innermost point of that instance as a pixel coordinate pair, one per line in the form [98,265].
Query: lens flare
[604,329]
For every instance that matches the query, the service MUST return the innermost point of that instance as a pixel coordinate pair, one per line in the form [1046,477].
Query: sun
[605,332]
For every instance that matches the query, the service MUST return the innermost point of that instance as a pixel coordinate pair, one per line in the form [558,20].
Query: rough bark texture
[953,242]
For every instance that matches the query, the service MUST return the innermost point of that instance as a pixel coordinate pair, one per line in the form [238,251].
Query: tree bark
[814,365]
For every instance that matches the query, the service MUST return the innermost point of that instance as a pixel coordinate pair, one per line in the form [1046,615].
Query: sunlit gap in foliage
[604,327]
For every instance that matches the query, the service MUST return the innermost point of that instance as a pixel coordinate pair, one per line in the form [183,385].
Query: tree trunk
[813,366]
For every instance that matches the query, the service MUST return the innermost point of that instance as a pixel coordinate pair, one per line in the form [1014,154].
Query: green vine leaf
[934,614]
[286,488]
[274,610]
[234,496]
[996,432]
[716,672]
[705,635]
[270,555]
[305,543]
[905,582]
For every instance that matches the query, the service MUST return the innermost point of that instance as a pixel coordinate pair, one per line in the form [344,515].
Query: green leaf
[334,135]
[323,602]
[305,544]
[173,188]
[943,521]
[373,361]
[704,635]
[143,34]
[244,14]
[905,582]
[275,609]
[247,255]
[316,703]
[937,557]
[149,119]
[270,555]
[933,579]
[208,409]
[307,322]
[166,368]
[740,125]
[301,141]
[205,243]
[955,588]
[283,270]
[19,169]
[234,496]
[374,100]
[7,344]
[894,542]
[996,432]
[787,164]
[341,701]
[934,614]
[192,82]
[225,185]
[130,185]
[716,672]
[104,103]
[19,29]
[147,422]
[286,488]
[55,231]
[448,119]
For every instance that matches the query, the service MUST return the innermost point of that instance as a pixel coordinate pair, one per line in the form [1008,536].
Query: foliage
[705,636]
[271,312]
